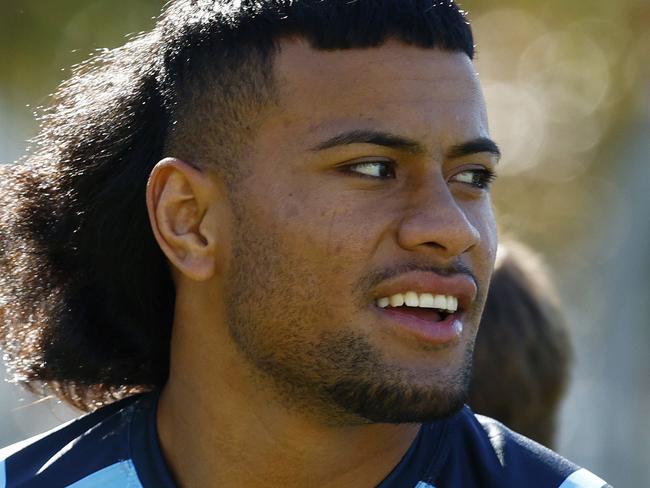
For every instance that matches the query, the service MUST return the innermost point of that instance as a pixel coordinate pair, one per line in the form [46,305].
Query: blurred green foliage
[40,41]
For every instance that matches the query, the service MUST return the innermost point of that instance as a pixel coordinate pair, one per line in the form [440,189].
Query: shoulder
[500,457]
[90,451]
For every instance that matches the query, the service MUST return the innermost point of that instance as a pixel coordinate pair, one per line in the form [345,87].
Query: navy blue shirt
[117,446]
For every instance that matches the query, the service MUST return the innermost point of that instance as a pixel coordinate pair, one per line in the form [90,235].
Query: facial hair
[277,300]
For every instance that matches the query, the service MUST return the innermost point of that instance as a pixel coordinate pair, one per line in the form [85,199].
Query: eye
[478,178]
[372,169]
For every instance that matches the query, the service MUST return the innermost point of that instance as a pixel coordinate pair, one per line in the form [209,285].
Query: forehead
[428,94]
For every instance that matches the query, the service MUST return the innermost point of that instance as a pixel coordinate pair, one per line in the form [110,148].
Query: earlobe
[179,200]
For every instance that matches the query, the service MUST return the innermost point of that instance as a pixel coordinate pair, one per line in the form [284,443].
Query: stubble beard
[338,376]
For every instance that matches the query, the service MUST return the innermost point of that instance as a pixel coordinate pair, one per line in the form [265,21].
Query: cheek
[322,227]
[295,275]
[324,224]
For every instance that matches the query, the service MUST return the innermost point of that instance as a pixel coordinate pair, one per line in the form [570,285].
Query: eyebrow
[393,141]
[377,138]
[474,146]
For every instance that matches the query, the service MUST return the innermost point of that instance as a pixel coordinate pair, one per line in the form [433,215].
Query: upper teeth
[422,300]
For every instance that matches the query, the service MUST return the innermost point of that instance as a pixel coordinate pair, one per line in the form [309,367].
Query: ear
[180,202]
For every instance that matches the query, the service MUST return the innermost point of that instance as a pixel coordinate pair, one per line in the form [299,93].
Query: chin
[400,403]
[365,385]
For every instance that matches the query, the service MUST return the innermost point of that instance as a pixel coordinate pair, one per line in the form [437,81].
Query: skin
[276,274]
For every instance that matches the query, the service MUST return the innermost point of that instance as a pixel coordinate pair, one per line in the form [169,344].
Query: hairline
[264,67]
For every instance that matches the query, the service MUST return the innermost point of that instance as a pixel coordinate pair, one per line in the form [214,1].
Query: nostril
[434,245]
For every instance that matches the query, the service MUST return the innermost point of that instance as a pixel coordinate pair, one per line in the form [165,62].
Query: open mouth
[425,306]
[433,318]
[431,315]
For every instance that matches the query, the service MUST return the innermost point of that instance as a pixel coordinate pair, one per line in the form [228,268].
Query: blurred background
[568,91]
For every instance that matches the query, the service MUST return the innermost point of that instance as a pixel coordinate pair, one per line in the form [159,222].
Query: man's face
[367,181]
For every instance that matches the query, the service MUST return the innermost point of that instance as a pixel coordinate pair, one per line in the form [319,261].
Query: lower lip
[436,332]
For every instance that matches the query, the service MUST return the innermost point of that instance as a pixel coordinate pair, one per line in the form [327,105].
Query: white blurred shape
[517,123]
[569,70]
[498,34]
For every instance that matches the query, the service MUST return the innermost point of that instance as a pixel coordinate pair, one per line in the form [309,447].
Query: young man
[274,216]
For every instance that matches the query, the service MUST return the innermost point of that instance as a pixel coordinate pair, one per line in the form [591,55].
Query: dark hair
[523,349]
[86,295]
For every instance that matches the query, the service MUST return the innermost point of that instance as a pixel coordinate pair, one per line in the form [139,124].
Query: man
[303,300]
[522,357]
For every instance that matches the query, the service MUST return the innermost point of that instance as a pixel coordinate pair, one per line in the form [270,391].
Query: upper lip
[460,285]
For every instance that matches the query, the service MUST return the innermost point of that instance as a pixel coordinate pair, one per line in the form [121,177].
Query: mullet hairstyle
[86,295]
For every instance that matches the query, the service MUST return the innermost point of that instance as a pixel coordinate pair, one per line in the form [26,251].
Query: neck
[231,430]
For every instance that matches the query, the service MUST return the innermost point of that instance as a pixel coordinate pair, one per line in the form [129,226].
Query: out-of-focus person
[523,351]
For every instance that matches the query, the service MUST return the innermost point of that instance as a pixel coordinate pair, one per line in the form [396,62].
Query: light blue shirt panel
[118,475]
[422,484]
[583,479]
[3,476]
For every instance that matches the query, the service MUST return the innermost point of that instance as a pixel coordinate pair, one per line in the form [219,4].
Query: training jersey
[117,447]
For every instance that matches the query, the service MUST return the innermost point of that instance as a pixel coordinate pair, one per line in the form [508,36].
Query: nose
[436,223]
